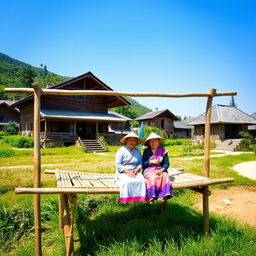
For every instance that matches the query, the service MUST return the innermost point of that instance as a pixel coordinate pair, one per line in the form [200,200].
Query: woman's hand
[155,161]
[159,172]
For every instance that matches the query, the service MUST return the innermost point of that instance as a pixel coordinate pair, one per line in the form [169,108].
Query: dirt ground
[236,202]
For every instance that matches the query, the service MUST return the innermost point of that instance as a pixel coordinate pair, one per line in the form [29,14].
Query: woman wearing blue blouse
[128,165]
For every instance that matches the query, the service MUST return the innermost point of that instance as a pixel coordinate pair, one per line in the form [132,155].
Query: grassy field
[104,226]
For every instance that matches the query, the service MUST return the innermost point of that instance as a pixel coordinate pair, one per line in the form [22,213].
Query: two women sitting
[154,182]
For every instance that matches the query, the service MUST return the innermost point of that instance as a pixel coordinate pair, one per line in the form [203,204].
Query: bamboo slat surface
[70,182]
[70,179]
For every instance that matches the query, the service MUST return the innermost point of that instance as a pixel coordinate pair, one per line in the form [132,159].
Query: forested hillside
[15,73]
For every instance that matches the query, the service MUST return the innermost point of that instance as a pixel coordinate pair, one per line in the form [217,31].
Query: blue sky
[139,46]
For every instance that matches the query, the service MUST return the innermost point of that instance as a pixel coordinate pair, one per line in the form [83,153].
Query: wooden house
[226,123]
[182,129]
[64,118]
[252,128]
[162,119]
[8,114]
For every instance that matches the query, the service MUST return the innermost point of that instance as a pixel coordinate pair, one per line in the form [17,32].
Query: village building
[182,129]
[226,123]
[162,119]
[8,114]
[66,118]
[252,128]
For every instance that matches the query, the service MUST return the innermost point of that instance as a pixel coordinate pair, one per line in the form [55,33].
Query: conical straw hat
[131,135]
[151,136]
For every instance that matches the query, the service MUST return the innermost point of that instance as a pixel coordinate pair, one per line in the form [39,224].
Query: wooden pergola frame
[37,91]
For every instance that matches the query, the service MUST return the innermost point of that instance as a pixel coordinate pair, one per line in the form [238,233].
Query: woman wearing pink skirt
[155,162]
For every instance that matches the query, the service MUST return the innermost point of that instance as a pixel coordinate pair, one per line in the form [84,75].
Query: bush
[103,142]
[174,142]
[6,153]
[246,141]
[2,134]
[19,141]
[149,129]
[11,128]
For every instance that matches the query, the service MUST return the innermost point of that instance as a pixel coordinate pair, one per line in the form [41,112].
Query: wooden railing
[57,136]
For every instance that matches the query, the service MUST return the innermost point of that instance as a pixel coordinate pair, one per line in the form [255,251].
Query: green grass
[104,226]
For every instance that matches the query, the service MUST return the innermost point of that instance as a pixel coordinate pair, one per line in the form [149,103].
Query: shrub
[19,141]
[174,142]
[103,142]
[149,129]
[6,153]
[2,134]
[246,141]
[11,128]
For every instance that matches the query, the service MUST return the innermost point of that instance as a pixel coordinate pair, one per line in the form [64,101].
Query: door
[86,130]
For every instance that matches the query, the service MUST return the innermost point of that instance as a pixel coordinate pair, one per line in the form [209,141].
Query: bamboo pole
[67,226]
[76,190]
[115,93]
[37,169]
[45,132]
[60,211]
[207,135]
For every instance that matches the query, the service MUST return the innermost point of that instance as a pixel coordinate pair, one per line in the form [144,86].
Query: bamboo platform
[71,182]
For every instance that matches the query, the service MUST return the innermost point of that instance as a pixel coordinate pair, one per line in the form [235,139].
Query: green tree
[45,70]
[126,111]
[232,102]
[3,96]
[27,75]
[11,128]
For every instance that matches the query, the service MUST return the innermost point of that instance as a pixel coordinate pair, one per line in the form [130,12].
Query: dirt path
[246,169]
[236,202]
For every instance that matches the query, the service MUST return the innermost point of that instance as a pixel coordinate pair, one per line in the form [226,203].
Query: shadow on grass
[104,224]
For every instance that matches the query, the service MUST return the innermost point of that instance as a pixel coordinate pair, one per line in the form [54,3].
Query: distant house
[226,123]
[64,118]
[182,129]
[8,114]
[162,119]
[252,128]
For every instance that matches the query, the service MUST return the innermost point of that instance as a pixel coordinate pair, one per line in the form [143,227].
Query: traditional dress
[131,188]
[158,186]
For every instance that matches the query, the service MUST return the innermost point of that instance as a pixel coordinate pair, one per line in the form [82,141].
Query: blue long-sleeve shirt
[148,153]
[127,159]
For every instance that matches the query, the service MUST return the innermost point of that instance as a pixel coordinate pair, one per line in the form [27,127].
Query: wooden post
[37,169]
[75,131]
[97,129]
[67,225]
[207,133]
[45,132]
[60,211]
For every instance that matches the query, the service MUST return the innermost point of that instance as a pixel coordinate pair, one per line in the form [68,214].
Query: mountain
[13,74]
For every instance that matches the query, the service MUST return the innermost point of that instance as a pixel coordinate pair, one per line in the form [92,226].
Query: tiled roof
[154,114]
[225,114]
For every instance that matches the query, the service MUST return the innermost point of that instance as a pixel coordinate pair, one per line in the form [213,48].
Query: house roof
[182,125]
[225,114]
[120,115]
[252,127]
[155,114]
[114,101]
[9,103]
[119,131]
[75,115]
